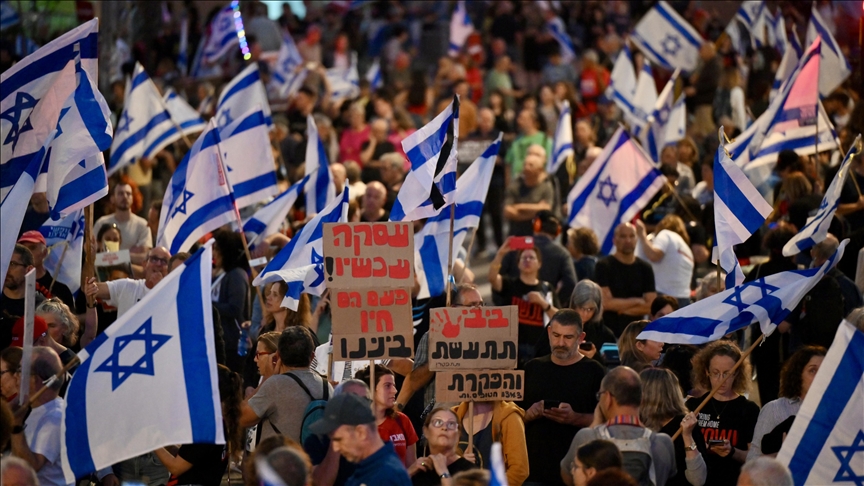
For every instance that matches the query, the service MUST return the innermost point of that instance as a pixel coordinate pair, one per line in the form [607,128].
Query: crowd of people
[600,406]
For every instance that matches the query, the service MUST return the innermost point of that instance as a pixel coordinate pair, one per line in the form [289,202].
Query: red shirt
[592,83]
[398,430]
[351,143]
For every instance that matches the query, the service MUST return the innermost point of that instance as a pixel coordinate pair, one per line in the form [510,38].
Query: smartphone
[521,242]
[547,404]
[712,443]
[586,345]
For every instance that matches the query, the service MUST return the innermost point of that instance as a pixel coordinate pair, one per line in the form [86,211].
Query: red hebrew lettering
[342,300]
[361,267]
[344,231]
[497,319]
[401,270]
[475,319]
[385,321]
[372,298]
[387,298]
[340,270]
[450,330]
[356,300]
[401,297]
[399,239]
[379,272]
[364,321]
[364,229]
[379,231]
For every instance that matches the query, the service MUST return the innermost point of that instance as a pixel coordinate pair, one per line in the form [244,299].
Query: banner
[372,324]
[475,338]
[479,385]
[369,255]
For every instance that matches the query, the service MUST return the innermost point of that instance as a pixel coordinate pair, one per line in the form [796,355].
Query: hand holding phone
[547,404]
[521,242]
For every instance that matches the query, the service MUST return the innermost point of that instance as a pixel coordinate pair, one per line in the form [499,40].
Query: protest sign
[473,338]
[365,319]
[369,255]
[113,265]
[479,385]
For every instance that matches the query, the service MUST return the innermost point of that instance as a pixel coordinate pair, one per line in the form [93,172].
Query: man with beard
[12,301]
[559,398]
[135,233]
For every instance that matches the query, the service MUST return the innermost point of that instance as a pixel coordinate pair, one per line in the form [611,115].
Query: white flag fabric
[65,237]
[776,32]
[144,127]
[8,15]
[431,182]
[374,75]
[668,120]
[244,93]
[460,28]
[620,182]
[285,69]
[562,145]
[825,442]
[498,473]
[222,37]
[183,47]
[751,13]
[667,39]
[33,92]
[558,31]
[321,189]
[165,350]
[787,66]
[835,67]
[768,301]
[344,82]
[267,220]
[248,160]
[300,264]
[198,199]
[184,116]
[816,229]
[622,87]
[644,101]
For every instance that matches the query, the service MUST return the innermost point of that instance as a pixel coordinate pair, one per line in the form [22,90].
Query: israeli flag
[558,32]
[344,83]
[244,93]
[65,238]
[816,229]
[300,264]
[285,70]
[498,472]
[185,117]
[222,36]
[249,164]
[562,145]
[739,210]
[460,28]
[145,127]
[777,37]
[198,199]
[644,102]
[183,48]
[8,15]
[835,67]
[75,167]
[163,350]
[733,30]
[667,39]
[431,182]
[618,185]
[270,218]
[787,66]
[321,189]
[768,301]
[430,243]
[622,88]
[668,120]
[826,440]
[33,92]
[751,13]
[374,75]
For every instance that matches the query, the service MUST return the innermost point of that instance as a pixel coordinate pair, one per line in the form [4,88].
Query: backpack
[314,411]
[638,462]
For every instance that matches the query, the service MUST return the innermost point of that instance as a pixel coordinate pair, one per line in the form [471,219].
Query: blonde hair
[675,224]
[61,311]
[270,340]
[661,398]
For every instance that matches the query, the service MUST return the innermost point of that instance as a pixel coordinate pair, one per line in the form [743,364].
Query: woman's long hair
[231,394]
[661,398]
[630,354]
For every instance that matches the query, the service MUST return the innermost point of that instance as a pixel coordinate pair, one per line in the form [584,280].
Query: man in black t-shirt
[12,301]
[559,399]
[627,282]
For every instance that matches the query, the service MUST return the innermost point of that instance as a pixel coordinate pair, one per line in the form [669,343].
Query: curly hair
[702,361]
[230,393]
[673,223]
[61,311]
[793,368]
[584,240]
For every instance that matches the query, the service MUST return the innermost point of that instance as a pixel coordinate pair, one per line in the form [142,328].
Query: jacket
[508,428]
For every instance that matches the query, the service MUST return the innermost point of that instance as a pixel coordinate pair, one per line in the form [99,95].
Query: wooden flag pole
[450,250]
[60,374]
[57,267]
[471,244]
[470,426]
[89,269]
[744,356]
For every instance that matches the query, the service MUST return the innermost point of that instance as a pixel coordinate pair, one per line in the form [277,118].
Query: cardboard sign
[369,255]
[113,265]
[473,338]
[479,385]
[370,321]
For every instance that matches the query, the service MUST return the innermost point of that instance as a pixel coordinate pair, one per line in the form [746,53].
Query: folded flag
[825,442]
[620,182]
[768,301]
[222,36]
[667,39]
[835,67]
[183,48]
[65,237]
[185,117]
[241,95]
[321,189]
[431,182]
[164,349]
[460,28]
[267,220]
[300,264]
[562,146]
[248,159]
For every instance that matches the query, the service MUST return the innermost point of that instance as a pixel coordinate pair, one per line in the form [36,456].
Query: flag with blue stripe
[24,46]
[183,48]
[145,127]
[184,116]
[787,66]
[374,75]
[242,94]
[284,71]
[430,243]
[270,218]
[835,67]
[558,31]
[622,87]
[248,159]
[667,39]
[739,210]
[223,35]
[165,350]
[498,471]
[300,264]
[777,37]
[198,198]
[344,82]
[321,189]
[619,184]
[644,101]
[460,28]
[816,229]
[752,14]
[733,30]
[668,120]
[33,92]
[65,238]
[826,440]
[768,301]
[562,145]
[8,15]
[431,182]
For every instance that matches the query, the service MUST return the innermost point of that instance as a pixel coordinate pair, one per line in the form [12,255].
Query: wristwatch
[445,475]
[692,447]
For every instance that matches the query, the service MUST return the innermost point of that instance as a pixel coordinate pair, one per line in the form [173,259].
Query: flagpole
[173,121]
[59,376]
[450,250]
[88,270]
[470,426]
[57,268]
[714,390]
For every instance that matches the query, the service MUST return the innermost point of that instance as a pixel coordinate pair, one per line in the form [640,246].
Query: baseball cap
[32,236]
[346,409]
[40,328]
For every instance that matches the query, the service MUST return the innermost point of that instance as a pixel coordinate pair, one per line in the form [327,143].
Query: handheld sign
[479,385]
[473,338]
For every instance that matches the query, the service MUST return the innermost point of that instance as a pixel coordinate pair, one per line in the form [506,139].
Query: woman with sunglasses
[441,457]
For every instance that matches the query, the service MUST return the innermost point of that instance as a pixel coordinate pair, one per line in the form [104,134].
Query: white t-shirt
[125,293]
[672,274]
[42,431]
[134,232]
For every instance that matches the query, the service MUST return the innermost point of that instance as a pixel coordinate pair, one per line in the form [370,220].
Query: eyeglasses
[438,423]
[600,394]
[261,353]
[157,260]
[12,372]
[586,309]
[470,304]
[527,258]
[13,262]
[720,376]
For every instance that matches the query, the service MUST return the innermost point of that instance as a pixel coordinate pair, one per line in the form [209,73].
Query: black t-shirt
[209,462]
[848,195]
[547,440]
[680,452]
[10,311]
[431,478]
[59,290]
[482,445]
[624,281]
[531,328]
[733,421]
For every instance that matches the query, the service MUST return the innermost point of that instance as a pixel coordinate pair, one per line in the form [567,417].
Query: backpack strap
[299,382]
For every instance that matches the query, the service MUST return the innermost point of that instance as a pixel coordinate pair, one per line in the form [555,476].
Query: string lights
[241,32]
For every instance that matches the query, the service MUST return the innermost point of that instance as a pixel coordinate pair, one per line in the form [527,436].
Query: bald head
[624,385]
[625,239]
[765,471]
[373,200]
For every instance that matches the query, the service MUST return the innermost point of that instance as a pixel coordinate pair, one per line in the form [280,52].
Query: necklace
[714,407]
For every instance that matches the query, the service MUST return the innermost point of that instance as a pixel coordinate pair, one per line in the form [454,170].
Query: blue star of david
[736,299]
[125,121]
[663,115]
[23,101]
[144,365]
[844,455]
[181,208]
[671,44]
[60,128]
[318,260]
[766,289]
[601,193]
[225,117]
